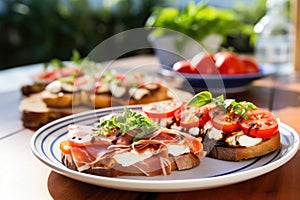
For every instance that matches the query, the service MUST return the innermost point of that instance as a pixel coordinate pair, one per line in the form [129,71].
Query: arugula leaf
[128,120]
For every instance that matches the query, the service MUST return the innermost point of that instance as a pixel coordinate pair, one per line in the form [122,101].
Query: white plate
[210,173]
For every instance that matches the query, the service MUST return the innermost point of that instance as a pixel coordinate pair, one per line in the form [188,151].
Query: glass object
[275,41]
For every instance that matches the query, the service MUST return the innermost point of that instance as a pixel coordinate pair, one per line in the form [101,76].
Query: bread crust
[61,100]
[107,100]
[32,89]
[35,113]
[243,153]
[41,108]
[182,162]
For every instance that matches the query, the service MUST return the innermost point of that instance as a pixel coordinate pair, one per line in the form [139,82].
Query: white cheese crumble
[69,87]
[54,87]
[177,149]
[57,86]
[104,87]
[240,139]
[177,128]
[117,90]
[212,133]
[138,93]
[129,158]
[194,131]
[151,86]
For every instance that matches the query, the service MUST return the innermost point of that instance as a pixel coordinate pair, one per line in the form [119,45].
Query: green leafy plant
[197,21]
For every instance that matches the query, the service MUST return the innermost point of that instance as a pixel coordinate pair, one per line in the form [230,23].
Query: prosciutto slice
[152,155]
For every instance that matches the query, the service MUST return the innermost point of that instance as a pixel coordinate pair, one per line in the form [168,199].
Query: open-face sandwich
[171,135]
[48,75]
[80,91]
[111,89]
[129,144]
[235,130]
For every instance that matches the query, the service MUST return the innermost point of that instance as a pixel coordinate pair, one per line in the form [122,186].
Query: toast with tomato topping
[230,130]
[114,89]
[41,80]
[266,146]
[243,137]
[129,144]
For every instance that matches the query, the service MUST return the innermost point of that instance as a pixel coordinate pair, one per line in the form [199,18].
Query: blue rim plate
[45,146]
[211,82]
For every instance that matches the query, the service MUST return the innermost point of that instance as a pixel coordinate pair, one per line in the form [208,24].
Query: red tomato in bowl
[205,63]
[229,63]
[250,64]
[184,66]
[260,123]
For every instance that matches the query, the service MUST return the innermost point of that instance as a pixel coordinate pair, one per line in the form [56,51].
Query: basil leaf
[201,99]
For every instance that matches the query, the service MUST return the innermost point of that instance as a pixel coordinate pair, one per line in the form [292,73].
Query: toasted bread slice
[61,100]
[32,89]
[159,94]
[182,162]
[242,153]
[35,113]
[107,100]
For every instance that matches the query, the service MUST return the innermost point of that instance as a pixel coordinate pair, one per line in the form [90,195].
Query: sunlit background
[33,31]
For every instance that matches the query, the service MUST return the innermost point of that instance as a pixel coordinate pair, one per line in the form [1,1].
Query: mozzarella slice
[129,158]
[138,93]
[54,87]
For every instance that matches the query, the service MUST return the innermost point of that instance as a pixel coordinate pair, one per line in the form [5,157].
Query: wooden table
[22,176]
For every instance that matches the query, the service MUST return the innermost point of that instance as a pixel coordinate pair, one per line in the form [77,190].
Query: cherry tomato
[250,64]
[228,122]
[191,116]
[162,109]
[260,123]
[184,66]
[205,63]
[65,147]
[229,63]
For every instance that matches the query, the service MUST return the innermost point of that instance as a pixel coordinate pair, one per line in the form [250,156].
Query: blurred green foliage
[34,31]
[197,20]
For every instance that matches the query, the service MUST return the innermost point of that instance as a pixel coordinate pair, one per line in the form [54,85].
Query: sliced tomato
[65,147]
[162,109]
[228,122]
[260,123]
[191,116]
[47,76]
